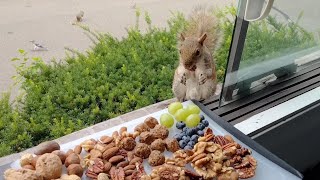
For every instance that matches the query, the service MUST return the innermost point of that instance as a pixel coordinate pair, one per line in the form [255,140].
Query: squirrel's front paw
[202,79]
[183,79]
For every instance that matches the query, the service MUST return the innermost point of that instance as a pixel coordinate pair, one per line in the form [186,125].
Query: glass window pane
[278,46]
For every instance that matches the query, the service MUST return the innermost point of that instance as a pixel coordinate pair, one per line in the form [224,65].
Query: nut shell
[28,166]
[21,174]
[61,155]
[34,161]
[26,159]
[69,177]
[72,159]
[102,176]
[75,169]
[49,166]
[46,147]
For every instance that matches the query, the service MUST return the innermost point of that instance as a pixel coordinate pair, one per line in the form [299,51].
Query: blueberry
[186,138]
[178,137]
[180,125]
[188,148]
[191,131]
[185,129]
[201,126]
[194,138]
[182,143]
[205,122]
[191,143]
[201,117]
[183,133]
[200,133]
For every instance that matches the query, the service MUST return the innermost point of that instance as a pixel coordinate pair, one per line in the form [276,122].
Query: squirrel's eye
[197,52]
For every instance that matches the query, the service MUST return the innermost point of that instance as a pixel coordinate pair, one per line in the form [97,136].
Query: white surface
[273,114]
[266,169]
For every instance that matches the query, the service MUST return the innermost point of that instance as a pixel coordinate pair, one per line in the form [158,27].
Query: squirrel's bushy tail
[202,20]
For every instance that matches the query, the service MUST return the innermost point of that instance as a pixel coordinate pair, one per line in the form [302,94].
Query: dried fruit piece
[146,137]
[159,145]
[128,143]
[172,145]
[156,158]
[141,128]
[142,150]
[160,131]
[151,122]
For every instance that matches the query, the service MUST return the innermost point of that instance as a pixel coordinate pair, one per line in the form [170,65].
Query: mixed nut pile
[121,157]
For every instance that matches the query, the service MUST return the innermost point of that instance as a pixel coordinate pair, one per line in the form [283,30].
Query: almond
[136,159]
[77,149]
[116,159]
[123,164]
[106,139]
[128,172]
[131,167]
[110,152]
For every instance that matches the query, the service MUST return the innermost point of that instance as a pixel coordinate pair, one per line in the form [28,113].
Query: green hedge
[112,78]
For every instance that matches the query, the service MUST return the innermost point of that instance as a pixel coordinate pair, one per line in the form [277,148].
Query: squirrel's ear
[202,38]
[182,38]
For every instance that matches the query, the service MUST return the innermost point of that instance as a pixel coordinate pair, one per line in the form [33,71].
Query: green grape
[193,109]
[193,120]
[173,107]
[166,120]
[181,115]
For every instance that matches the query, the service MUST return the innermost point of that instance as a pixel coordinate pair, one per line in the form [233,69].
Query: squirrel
[195,77]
